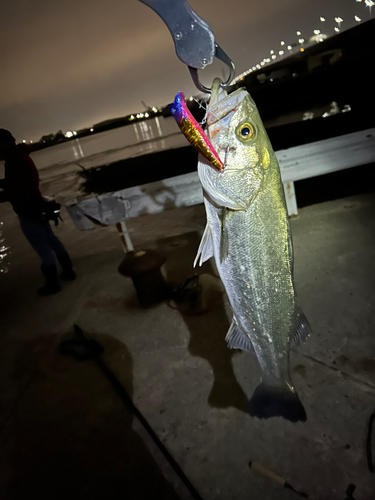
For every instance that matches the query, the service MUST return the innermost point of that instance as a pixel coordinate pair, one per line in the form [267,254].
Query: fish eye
[246,131]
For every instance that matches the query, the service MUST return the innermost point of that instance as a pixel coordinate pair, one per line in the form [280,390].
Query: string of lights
[302,43]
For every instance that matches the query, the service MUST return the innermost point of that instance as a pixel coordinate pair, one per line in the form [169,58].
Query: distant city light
[147,115]
[369,3]
[74,132]
[155,110]
[69,134]
[31,142]
[338,20]
[191,98]
[91,129]
[24,141]
[317,36]
[131,117]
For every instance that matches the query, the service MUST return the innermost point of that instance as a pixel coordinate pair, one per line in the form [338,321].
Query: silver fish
[248,233]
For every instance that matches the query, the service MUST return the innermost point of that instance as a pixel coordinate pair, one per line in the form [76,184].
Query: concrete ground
[65,433]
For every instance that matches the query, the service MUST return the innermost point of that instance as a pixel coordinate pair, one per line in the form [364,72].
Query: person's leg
[61,254]
[53,241]
[36,236]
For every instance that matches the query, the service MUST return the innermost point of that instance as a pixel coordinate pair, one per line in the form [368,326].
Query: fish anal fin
[237,339]
[206,249]
[302,328]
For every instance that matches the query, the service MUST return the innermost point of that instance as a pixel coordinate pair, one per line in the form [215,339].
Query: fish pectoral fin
[302,328]
[206,248]
[224,240]
[224,247]
[237,338]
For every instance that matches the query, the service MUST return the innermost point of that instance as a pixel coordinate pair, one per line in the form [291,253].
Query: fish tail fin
[270,401]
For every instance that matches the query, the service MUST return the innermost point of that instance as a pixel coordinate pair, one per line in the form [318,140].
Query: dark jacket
[21,183]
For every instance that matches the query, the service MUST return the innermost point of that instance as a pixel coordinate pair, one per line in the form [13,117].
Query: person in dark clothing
[20,187]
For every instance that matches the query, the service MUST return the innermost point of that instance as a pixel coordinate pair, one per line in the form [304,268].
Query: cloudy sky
[69,64]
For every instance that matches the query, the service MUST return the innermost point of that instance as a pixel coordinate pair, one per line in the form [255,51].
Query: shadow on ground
[207,330]
[70,436]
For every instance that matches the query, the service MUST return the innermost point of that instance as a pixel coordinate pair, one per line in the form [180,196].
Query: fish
[248,234]
[193,131]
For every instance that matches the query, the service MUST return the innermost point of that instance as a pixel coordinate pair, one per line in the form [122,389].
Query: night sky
[67,65]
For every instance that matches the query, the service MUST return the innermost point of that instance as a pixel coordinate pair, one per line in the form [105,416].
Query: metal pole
[127,244]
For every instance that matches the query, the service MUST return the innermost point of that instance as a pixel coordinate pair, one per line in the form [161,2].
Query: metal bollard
[144,268]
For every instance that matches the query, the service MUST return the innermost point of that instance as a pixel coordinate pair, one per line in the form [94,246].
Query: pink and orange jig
[194,132]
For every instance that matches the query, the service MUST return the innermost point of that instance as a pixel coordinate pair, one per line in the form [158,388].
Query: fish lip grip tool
[193,38]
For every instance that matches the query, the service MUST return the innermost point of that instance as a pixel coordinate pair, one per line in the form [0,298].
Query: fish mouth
[225,106]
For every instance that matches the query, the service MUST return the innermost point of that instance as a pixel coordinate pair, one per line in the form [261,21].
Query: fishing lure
[193,131]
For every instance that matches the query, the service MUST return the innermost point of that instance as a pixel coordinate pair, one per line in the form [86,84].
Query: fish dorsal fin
[302,328]
[237,338]
[206,249]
